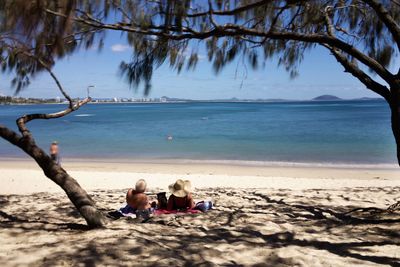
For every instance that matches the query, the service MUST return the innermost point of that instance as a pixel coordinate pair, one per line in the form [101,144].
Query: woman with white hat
[181,197]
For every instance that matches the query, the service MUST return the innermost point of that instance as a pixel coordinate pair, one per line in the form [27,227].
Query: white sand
[23,177]
[264,216]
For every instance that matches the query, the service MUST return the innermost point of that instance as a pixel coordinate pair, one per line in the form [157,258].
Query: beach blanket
[201,206]
[128,211]
[122,212]
[160,212]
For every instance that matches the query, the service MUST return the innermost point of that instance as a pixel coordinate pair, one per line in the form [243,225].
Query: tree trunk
[78,196]
[395,118]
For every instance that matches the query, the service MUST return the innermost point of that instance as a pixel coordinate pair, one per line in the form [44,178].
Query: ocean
[316,133]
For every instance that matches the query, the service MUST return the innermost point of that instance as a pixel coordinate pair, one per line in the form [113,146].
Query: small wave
[293,164]
[84,115]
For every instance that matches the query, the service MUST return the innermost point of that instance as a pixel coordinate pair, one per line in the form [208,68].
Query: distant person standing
[54,153]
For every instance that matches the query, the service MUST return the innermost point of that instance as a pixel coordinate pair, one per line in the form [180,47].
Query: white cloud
[119,48]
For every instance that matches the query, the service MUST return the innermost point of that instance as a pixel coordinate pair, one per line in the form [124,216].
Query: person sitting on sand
[54,153]
[181,197]
[136,198]
[138,202]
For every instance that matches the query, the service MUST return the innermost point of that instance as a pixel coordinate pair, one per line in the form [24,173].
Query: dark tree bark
[78,196]
[395,118]
[26,142]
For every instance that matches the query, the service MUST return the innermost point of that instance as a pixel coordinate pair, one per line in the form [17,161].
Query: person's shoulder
[139,195]
[134,192]
[131,192]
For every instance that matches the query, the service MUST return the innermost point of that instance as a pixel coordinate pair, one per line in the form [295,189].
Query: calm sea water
[350,132]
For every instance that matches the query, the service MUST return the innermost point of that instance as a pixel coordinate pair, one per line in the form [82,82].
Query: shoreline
[25,177]
[218,162]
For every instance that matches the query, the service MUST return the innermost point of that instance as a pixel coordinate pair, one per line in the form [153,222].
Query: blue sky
[319,74]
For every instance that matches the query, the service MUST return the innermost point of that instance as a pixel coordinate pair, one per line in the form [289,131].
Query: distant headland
[9,100]
[327,98]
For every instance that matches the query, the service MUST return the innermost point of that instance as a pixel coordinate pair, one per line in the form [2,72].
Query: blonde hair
[140,186]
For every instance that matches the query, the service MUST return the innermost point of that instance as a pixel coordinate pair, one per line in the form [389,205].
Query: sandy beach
[283,115]
[263,216]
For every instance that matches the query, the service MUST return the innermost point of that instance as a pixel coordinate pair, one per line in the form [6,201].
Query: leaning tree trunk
[78,196]
[395,118]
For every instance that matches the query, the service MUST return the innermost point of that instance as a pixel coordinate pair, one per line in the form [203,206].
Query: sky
[319,74]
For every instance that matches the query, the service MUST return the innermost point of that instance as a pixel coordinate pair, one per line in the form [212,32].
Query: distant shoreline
[201,101]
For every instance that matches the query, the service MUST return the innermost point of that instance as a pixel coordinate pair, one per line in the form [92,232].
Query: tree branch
[22,121]
[10,135]
[387,19]
[44,65]
[233,11]
[21,48]
[210,14]
[360,75]
[312,38]
[329,25]
[236,30]
[350,66]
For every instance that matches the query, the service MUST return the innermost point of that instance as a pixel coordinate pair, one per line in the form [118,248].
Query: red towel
[159,212]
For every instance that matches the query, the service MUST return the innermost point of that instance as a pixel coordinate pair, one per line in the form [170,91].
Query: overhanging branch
[64,93]
[360,75]
[350,66]
[22,121]
[232,11]
[236,30]
[21,48]
[386,18]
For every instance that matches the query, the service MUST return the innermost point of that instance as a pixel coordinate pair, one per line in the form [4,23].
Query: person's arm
[128,195]
[190,202]
[170,205]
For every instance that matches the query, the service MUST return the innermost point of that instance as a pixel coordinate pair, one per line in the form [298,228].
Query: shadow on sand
[261,228]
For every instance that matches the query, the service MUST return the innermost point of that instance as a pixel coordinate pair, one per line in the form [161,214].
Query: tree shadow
[11,221]
[321,213]
[247,227]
